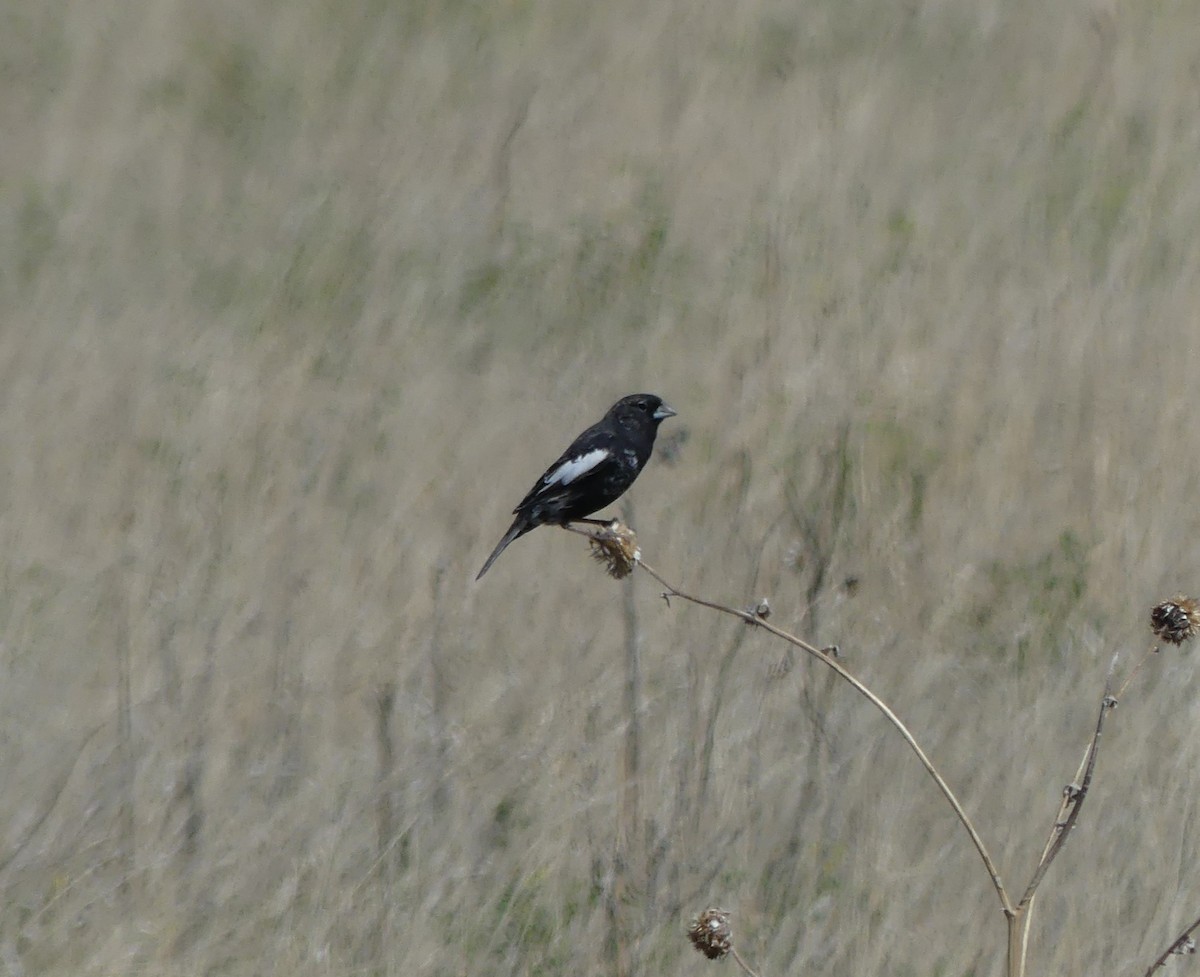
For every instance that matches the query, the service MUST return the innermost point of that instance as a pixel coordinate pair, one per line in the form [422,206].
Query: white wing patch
[572,469]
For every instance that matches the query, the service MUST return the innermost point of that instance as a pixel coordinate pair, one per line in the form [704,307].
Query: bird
[594,471]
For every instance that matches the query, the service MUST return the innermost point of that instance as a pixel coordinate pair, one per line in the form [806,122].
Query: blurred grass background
[297,296]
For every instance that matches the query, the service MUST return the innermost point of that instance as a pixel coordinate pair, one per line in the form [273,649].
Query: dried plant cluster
[616,549]
[1176,620]
[711,933]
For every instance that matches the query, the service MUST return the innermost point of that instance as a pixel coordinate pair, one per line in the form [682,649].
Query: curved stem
[878,703]
[742,963]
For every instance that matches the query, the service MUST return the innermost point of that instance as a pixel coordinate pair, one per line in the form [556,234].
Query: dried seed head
[1176,620]
[1184,947]
[616,547]
[711,934]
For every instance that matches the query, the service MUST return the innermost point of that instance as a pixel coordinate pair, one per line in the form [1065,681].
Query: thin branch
[742,963]
[1136,668]
[1072,800]
[1073,797]
[754,619]
[1025,920]
[1183,944]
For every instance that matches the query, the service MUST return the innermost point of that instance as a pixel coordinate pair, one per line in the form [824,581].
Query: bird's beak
[664,411]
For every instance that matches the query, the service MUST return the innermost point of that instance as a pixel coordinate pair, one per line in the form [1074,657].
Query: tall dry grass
[297,295]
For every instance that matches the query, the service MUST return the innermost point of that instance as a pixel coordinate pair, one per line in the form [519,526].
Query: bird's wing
[574,468]
[592,454]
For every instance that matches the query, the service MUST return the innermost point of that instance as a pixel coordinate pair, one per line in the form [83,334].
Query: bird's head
[639,409]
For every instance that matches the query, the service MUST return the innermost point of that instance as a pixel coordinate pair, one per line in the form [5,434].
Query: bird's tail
[519,528]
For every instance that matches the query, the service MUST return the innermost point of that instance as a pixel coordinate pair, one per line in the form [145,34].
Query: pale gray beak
[664,411]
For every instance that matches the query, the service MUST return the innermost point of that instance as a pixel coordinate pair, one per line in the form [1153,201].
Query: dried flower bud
[1184,947]
[616,547]
[1176,620]
[710,933]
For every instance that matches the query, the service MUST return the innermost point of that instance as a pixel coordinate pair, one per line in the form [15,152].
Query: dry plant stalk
[752,617]
[1174,621]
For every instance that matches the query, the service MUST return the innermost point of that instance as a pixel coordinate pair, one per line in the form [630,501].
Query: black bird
[598,467]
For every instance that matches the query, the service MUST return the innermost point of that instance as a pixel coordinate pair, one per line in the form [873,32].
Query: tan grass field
[298,297]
